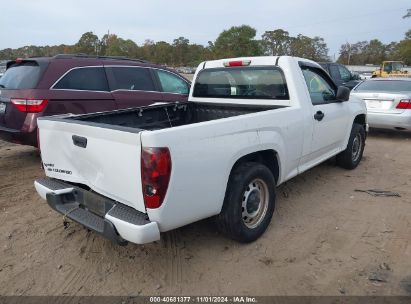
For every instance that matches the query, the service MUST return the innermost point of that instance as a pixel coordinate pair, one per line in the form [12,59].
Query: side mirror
[343,93]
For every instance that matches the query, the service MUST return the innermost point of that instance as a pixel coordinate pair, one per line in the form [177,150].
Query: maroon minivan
[44,86]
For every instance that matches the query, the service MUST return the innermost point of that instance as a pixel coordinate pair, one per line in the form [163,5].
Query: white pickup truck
[250,124]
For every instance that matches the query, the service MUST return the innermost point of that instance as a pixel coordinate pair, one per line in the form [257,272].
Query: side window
[388,67]
[334,72]
[320,90]
[131,78]
[345,74]
[85,79]
[172,83]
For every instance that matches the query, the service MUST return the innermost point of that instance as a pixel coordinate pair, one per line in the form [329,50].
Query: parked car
[388,102]
[248,126]
[36,87]
[341,75]
[365,75]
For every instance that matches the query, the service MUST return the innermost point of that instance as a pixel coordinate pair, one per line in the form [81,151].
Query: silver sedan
[388,102]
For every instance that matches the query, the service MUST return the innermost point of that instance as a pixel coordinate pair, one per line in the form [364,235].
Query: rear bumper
[18,137]
[390,121]
[108,218]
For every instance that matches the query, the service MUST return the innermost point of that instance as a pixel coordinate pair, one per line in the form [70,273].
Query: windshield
[393,66]
[241,83]
[21,76]
[385,86]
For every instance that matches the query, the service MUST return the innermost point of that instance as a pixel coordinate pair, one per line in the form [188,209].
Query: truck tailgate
[104,159]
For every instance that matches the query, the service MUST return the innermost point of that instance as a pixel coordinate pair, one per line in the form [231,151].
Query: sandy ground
[324,239]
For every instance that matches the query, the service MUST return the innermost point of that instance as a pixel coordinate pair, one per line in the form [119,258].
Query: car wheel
[249,203]
[352,155]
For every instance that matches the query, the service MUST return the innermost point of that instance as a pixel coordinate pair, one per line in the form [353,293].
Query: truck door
[330,117]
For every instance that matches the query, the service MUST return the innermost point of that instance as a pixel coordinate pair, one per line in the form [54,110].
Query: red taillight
[19,60]
[404,104]
[30,105]
[155,175]
[237,63]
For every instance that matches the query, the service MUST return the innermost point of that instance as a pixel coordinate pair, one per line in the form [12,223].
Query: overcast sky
[51,22]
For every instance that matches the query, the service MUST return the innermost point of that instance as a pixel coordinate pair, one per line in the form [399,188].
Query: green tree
[404,48]
[310,48]
[236,42]
[196,54]
[276,42]
[88,44]
[146,51]
[112,45]
[391,51]
[162,52]
[181,47]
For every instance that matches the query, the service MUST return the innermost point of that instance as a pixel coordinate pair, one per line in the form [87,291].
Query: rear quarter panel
[203,155]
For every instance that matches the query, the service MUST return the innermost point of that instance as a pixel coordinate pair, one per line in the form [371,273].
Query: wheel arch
[361,119]
[268,157]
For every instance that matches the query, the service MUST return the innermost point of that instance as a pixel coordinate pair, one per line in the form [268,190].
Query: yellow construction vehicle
[391,69]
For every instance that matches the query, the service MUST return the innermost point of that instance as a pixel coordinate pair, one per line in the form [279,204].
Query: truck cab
[390,69]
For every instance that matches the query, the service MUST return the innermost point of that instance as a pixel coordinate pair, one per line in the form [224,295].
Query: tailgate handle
[79,141]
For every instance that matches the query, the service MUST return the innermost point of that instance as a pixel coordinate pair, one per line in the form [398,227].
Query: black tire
[352,155]
[260,198]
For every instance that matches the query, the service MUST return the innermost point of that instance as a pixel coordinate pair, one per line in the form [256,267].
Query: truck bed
[169,115]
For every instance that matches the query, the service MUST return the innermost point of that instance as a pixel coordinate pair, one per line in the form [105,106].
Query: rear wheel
[249,203]
[352,155]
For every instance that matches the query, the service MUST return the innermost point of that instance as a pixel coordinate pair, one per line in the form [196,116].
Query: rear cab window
[24,75]
[242,83]
[83,79]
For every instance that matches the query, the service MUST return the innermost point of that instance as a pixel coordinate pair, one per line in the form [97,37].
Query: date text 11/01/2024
[205,299]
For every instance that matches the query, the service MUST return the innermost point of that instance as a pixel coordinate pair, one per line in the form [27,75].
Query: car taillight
[404,104]
[236,63]
[155,175]
[29,105]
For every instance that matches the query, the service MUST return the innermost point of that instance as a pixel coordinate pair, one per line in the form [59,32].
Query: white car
[250,124]
[388,102]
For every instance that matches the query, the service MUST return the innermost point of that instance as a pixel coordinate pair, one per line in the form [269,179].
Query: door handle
[319,115]
[79,141]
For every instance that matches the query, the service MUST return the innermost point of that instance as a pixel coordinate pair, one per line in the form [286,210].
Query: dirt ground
[324,239]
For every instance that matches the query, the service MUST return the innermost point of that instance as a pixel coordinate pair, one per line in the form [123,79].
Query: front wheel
[352,155]
[249,203]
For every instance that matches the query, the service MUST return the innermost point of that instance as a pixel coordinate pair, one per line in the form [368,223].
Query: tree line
[234,42]
[374,51]
[237,41]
